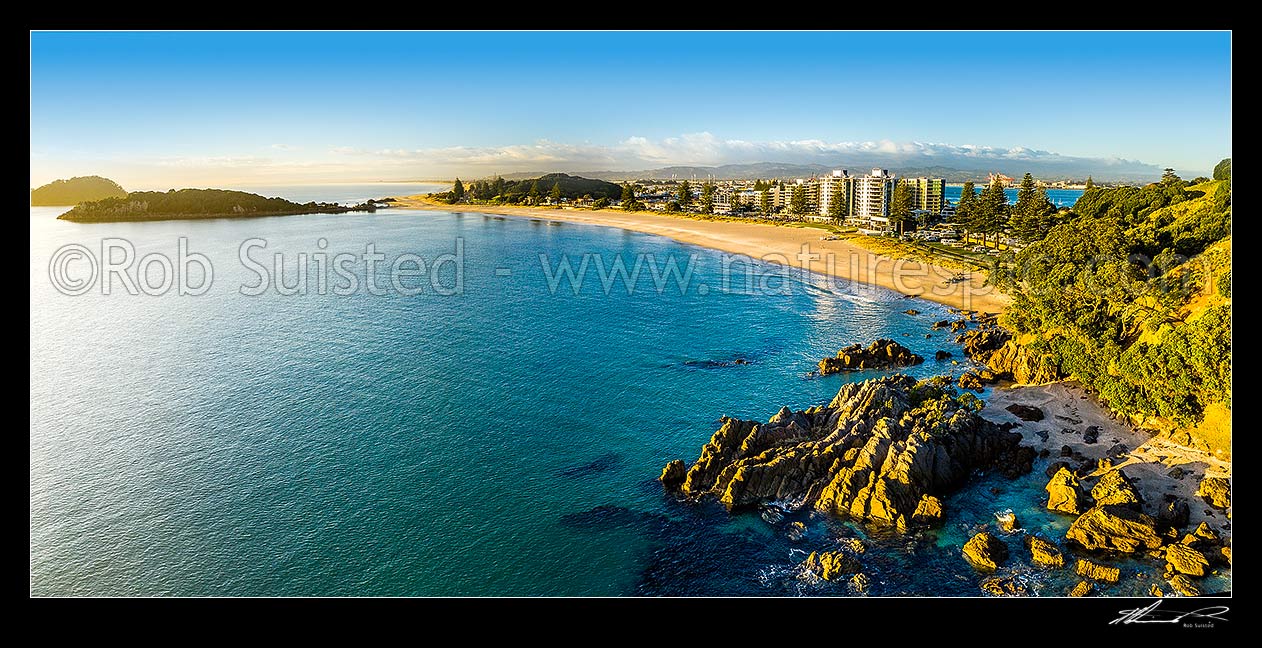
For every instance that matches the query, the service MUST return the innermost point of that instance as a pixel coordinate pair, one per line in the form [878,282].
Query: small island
[191,204]
[75,191]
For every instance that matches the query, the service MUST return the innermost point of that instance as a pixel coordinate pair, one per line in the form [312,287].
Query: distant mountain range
[961,169]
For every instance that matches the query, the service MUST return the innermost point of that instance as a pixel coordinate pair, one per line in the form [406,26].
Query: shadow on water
[598,465]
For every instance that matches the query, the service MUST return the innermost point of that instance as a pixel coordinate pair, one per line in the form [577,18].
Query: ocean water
[1059,197]
[503,440]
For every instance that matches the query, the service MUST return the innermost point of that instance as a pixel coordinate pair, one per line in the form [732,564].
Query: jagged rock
[1174,514]
[1118,450]
[940,324]
[1066,451]
[1186,560]
[1083,588]
[1183,585]
[1088,569]
[987,376]
[854,545]
[1116,528]
[1044,453]
[1064,495]
[1216,491]
[941,355]
[912,311]
[674,474]
[870,455]
[880,354]
[1176,473]
[928,511]
[830,565]
[1226,554]
[1018,364]
[1105,464]
[969,380]
[1115,487]
[1055,467]
[959,325]
[1026,412]
[796,531]
[1043,553]
[1007,520]
[1091,434]
[1204,532]
[1155,590]
[1003,586]
[859,583]
[979,344]
[1042,435]
[985,552]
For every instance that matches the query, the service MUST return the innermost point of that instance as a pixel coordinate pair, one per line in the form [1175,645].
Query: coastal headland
[800,247]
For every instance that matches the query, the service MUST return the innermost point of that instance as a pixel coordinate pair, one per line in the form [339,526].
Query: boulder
[980,343]
[1064,495]
[831,565]
[1007,520]
[1216,491]
[1091,434]
[859,583]
[941,324]
[959,325]
[1114,487]
[1026,412]
[1003,586]
[1176,473]
[941,355]
[1225,552]
[1018,363]
[673,474]
[928,511]
[912,311]
[1204,532]
[985,552]
[881,354]
[1094,571]
[1174,514]
[1054,468]
[1083,588]
[1066,451]
[1183,585]
[1044,553]
[969,380]
[1114,528]
[853,545]
[795,531]
[1186,560]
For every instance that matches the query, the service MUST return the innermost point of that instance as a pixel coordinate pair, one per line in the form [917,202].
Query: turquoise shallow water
[502,441]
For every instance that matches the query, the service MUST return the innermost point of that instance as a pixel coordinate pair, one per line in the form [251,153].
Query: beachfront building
[839,180]
[870,200]
[928,195]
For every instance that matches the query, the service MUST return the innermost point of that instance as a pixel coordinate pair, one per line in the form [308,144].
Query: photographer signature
[1151,614]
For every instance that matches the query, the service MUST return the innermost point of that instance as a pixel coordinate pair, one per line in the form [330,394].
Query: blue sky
[165,109]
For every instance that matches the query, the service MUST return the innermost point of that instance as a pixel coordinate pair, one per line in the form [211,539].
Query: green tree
[966,211]
[532,198]
[684,197]
[457,191]
[991,213]
[629,203]
[1168,177]
[1090,184]
[1032,215]
[555,194]
[601,203]
[764,202]
[707,198]
[734,204]
[1222,170]
[900,204]
[838,206]
[759,185]
[797,200]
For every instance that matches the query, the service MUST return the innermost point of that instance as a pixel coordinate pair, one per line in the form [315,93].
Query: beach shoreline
[800,247]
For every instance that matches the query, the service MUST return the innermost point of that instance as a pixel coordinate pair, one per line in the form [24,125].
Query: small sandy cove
[1068,410]
[796,246]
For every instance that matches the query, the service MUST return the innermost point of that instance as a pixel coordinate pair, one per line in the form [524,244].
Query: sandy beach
[796,246]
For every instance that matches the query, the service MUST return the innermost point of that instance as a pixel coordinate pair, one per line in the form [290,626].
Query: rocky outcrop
[1115,487]
[928,511]
[1184,585]
[1216,491]
[980,343]
[985,552]
[859,583]
[1025,412]
[1088,569]
[872,454]
[1019,364]
[1043,553]
[1064,495]
[970,380]
[1186,560]
[832,565]
[941,355]
[674,474]
[1083,588]
[1007,520]
[881,354]
[1114,528]
[1174,514]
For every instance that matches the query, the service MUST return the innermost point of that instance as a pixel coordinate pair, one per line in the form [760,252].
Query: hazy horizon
[260,108]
